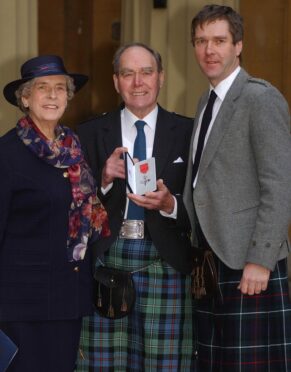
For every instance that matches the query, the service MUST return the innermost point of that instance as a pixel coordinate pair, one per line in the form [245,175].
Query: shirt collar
[222,88]
[150,118]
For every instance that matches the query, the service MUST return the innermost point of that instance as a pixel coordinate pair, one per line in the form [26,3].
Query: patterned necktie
[139,151]
[207,116]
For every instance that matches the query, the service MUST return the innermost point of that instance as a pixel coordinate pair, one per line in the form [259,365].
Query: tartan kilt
[158,334]
[245,333]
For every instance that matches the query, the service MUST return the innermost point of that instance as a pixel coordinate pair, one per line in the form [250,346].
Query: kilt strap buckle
[132,229]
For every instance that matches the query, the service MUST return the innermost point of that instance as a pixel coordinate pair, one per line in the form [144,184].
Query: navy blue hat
[37,67]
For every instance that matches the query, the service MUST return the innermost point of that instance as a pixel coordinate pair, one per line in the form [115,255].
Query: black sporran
[115,293]
[204,274]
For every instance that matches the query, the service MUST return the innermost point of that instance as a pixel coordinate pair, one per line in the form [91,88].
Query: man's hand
[114,167]
[161,199]
[254,279]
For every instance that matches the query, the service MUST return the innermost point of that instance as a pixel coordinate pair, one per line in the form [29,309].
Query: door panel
[267,53]
[81,32]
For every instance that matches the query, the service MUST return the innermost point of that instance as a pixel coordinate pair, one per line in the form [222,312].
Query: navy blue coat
[36,280]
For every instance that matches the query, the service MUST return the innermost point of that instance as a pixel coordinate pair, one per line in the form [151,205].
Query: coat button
[66,174]
[76,269]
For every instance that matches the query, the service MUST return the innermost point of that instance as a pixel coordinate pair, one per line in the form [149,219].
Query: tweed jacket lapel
[164,140]
[222,121]
[202,103]
[188,190]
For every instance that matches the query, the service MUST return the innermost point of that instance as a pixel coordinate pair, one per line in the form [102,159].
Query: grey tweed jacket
[242,196]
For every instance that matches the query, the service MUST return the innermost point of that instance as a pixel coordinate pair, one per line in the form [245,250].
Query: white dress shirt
[129,131]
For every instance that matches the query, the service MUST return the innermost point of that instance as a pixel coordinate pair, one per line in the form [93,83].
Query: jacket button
[76,269]
[66,174]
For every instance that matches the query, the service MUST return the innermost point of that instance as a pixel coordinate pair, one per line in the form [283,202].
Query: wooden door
[85,33]
[267,50]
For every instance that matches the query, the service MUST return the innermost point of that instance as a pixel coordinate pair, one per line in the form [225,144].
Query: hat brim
[10,89]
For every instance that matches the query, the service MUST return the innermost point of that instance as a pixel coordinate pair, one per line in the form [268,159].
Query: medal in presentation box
[140,176]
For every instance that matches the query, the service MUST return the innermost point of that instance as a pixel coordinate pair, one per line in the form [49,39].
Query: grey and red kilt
[244,333]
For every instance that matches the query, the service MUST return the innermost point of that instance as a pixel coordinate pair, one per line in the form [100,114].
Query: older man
[157,333]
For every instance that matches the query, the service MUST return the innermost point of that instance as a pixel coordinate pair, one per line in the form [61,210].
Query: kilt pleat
[245,333]
[158,333]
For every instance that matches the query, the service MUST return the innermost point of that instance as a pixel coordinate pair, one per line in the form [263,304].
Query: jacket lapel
[222,121]
[164,139]
[202,103]
[188,182]
[111,136]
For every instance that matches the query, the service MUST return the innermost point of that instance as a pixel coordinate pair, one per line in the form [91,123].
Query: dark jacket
[36,280]
[101,135]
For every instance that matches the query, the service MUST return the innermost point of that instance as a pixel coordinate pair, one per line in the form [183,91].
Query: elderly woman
[49,213]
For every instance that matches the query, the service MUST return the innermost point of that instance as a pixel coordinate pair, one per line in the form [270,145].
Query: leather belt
[132,229]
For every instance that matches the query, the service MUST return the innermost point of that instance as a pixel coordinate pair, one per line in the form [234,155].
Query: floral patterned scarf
[87,217]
